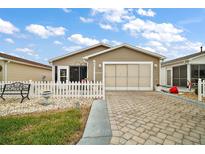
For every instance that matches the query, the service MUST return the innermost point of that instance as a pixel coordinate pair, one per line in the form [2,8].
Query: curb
[189,101]
[98,129]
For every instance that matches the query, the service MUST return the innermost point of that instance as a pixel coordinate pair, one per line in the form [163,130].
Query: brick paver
[154,118]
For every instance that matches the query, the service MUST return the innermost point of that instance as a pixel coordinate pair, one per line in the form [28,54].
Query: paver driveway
[154,118]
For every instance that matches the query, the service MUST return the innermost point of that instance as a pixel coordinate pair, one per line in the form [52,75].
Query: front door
[74,73]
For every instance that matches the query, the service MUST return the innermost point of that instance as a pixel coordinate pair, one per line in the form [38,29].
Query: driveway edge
[97,130]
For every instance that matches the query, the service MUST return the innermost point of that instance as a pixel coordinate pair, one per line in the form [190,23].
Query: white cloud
[116,15]
[188,46]
[66,10]
[154,43]
[7,27]
[9,40]
[28,51]
[157,46]
[148,13]
[45,32]
[71,48]
[146,48]
[80,39]
[174,49]
[58,31]
[112,42]
[57,42]
[113,17]
[106,26]
[45,59]
[86,20]
[166,32]
[164,37]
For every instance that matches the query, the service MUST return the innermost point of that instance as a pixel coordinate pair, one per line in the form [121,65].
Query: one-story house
[184,70]
[14,68]
[122,67]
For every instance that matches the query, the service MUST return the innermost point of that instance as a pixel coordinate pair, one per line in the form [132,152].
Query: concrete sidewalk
[97,130]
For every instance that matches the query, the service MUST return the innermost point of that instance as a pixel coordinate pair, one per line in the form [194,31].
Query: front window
[197,71]
[78,73]
[63,75]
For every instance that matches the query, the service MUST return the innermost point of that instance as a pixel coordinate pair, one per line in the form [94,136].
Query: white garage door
[128,76]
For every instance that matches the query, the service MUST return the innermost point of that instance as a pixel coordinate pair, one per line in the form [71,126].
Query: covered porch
[69,73]
[184,74]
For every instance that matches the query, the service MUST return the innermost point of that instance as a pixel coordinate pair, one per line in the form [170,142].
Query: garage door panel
[133,70]
[110,81]
[144,82]
[145,70]
[132,82]
[121,82]
[110,70]
[121,70]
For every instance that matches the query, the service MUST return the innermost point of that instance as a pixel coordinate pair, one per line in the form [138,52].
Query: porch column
[94,67]
[189,72]
[172,76]
[160,73]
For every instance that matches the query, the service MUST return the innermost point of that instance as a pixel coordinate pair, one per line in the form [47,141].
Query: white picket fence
[201,89]
[65,90]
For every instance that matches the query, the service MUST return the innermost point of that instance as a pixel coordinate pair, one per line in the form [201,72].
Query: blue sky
[41,34]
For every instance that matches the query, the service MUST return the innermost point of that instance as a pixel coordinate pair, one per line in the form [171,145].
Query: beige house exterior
[184,71]
[18,69]
[123,67]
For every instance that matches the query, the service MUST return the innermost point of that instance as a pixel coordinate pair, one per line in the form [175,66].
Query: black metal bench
[16,88]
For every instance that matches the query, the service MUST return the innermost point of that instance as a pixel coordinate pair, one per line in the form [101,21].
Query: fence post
[31,88]
[199,90]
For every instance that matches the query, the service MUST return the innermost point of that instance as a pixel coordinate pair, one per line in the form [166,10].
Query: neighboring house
[18,69]
[180,71]
[123,67]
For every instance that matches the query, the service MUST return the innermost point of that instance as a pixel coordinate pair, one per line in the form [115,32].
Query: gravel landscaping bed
[191,95]
[12,106]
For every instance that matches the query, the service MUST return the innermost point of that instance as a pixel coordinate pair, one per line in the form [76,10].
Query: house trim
[128,46]
[128,62]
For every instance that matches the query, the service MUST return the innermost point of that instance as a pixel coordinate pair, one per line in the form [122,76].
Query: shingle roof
[183,58]
[10,57]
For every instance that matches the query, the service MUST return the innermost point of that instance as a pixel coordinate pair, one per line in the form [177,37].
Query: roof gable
[127,46]
[187,57]
[21,60]
[79,51]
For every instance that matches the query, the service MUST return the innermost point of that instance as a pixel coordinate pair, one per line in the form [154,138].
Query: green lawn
[56,127]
